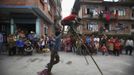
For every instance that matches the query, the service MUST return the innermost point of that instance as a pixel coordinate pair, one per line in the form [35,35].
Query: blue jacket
[20,43]
[87,40]
[57,42]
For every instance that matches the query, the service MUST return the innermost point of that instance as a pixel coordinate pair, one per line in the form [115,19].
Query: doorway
[26,27]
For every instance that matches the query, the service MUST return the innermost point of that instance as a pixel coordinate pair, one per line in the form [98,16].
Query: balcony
[37,7]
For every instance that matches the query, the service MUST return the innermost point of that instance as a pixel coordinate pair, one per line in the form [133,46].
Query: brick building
[105,17]
[29,15]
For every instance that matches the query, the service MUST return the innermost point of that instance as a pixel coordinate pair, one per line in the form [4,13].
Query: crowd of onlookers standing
[94,44]
[21,43]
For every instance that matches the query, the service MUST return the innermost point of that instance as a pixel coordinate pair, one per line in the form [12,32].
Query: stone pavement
[70,64]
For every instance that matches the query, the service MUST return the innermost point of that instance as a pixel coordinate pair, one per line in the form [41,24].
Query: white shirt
[97,39]
[129,43]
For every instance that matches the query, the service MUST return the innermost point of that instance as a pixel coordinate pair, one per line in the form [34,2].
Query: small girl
[117,48]
[104,49]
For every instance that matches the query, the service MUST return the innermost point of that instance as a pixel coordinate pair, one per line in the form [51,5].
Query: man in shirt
[54,52]
[129,46]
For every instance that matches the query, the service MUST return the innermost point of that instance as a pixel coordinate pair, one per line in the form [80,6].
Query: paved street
[70,64]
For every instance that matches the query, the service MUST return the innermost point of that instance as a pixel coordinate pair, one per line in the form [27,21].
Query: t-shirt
[20,43]
[130,43]
[117,46]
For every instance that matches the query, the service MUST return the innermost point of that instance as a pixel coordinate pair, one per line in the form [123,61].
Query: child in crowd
[117,48]
[20,45]
[104,49]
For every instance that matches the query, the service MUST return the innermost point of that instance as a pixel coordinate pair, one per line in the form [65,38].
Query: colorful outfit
[104,49]
[117,48]
[20,45]
[110,46]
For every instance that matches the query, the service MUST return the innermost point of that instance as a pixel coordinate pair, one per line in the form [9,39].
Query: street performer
[54,59]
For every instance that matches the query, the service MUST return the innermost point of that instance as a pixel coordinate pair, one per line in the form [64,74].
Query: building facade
[29,15]
[105,17]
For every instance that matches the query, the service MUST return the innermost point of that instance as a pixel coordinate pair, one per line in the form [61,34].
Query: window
[46,29]
[120,12]
[92,26]
[92,11]
[2,27]
[120,27]
[88,10]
